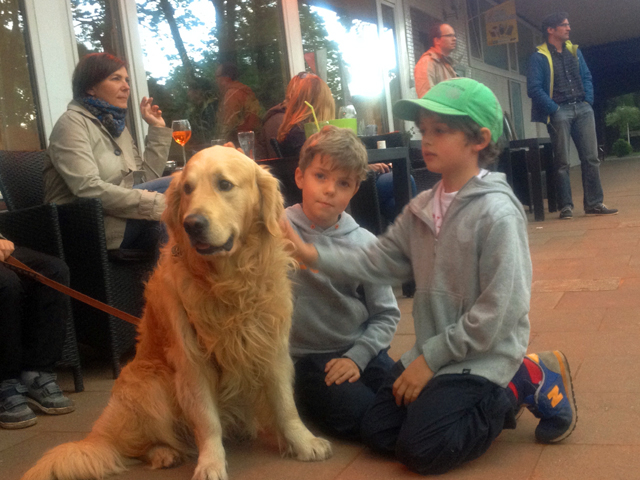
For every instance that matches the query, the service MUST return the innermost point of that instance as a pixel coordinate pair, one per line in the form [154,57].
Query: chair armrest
[35,227]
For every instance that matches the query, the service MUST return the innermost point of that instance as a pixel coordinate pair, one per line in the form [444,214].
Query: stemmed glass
[181,134]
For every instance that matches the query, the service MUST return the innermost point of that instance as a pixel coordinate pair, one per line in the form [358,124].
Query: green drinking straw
[314,114]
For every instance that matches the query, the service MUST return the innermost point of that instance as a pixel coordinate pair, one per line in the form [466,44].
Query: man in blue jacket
[559,85]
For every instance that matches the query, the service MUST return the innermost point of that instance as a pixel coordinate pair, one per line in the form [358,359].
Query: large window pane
[96,26]
[185,41]
[19,129]
[340,41]
[526,46]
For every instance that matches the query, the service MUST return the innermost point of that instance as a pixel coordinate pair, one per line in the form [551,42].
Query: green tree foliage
[18,122]
[624,117]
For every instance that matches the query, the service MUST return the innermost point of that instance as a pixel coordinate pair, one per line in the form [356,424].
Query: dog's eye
[187,188]
[225,185]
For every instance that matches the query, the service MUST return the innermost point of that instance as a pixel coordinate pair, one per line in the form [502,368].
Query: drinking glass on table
[181,134]
[247,142]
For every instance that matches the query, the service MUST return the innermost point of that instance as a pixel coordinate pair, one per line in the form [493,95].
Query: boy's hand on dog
[305,252]
[409,385]
[340,370]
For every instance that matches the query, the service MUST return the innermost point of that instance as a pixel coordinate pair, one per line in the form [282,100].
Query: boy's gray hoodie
[473,282]
[334,315]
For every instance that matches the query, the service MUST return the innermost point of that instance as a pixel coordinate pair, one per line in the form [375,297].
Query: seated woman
[306,88]
[91,154]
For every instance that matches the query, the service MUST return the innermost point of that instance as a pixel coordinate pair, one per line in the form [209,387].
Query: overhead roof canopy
[593,22]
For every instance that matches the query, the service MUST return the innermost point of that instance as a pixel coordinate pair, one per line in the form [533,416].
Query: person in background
[274,117]
[91,154]
[559,85]
[308,88]
[33,327]
[435,65]
[239,110]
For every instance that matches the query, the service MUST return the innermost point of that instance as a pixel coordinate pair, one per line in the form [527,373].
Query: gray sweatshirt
[334,314]
[473,282]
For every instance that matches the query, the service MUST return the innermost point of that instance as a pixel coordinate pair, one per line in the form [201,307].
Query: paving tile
[621,319]
[618,298]
[576,285]
[546,300]
[503,461]
[612,374]
[15,461]
[405,325]
[583,320]
[588,462]
[400,344]
[9,438]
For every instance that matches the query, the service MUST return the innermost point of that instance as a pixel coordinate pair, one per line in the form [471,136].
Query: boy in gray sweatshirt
[341,329]
[465,244]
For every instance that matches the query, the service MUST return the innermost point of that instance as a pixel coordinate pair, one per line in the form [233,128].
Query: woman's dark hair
[91,70]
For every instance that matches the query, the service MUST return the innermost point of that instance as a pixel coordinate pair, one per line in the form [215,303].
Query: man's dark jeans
[576,121]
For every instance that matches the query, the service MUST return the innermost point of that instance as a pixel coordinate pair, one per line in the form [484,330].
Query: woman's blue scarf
[111,117]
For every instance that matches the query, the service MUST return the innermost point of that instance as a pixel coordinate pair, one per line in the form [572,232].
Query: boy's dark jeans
[454,420]
[32,315]
[338,409]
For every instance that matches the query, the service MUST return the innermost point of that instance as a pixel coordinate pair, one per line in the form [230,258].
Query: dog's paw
[313,449]
[210,471]
[162,456]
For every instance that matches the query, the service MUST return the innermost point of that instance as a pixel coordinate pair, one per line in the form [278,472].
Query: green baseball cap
[458,96]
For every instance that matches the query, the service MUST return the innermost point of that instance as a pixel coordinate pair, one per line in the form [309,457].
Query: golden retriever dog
[212,356]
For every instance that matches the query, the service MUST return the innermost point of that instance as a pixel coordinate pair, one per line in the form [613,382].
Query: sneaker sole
[599,214]
[565,372]
[34,404]
[566,218]
[18,425]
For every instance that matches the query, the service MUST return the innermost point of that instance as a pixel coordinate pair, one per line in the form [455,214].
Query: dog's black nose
[195,225]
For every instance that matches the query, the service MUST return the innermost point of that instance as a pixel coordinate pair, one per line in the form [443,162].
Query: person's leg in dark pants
[146,234]
[454,420]
[44,314]
[10,324]
[336,409]
[583,132]
[559,129]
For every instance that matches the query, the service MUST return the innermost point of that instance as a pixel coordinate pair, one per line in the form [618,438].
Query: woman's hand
[380,167]
[408,386]
[6,249]
[340,370]
[151,113]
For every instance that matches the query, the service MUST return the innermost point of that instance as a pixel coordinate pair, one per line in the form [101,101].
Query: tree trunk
[226,31]
[167,10]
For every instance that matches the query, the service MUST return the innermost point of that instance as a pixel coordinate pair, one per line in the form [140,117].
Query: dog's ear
[173,195]
[272,203]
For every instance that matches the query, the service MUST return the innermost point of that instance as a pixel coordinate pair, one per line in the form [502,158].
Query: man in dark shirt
[559,85]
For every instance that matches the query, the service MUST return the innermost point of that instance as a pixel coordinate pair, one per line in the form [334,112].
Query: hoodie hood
[492,183]
[344,226]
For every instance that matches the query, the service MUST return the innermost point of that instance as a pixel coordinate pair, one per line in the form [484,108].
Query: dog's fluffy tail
[91,458]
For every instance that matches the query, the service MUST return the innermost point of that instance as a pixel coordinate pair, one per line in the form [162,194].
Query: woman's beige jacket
[84,161]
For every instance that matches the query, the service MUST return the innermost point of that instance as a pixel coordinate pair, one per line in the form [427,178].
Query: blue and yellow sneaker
[553,402]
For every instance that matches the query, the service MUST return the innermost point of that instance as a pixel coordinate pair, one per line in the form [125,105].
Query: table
[399,159]
[539,157]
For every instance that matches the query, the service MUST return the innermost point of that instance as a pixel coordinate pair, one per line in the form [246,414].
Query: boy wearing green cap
[465,244]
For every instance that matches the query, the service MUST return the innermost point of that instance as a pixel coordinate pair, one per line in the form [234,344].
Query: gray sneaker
[601,210]
[566,213]
[14,411]
[44,394]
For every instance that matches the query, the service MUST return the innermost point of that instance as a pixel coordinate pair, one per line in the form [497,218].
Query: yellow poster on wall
[502,24]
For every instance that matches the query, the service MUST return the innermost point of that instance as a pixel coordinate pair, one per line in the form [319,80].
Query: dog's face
[219,196]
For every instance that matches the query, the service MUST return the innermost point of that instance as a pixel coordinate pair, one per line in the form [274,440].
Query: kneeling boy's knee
[428,457]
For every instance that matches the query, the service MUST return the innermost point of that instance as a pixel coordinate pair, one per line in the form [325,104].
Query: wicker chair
[103,275]
[37,228]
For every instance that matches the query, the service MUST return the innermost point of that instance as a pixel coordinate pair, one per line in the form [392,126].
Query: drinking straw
[315,119]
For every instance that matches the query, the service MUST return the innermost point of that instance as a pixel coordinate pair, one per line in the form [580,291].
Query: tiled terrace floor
[585,301]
